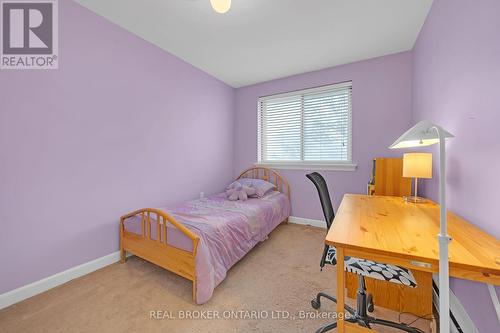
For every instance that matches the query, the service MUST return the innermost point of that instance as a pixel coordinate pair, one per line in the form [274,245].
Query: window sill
[308,166]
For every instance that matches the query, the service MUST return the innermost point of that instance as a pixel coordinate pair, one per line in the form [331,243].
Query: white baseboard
[304,221]
[38,287]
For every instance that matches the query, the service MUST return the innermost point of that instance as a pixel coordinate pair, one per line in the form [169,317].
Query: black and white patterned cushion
[372,269]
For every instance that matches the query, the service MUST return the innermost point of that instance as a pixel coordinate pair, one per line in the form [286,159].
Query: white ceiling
[261,40]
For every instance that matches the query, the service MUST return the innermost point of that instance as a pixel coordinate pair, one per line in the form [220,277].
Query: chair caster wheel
[315,304]
[369,302]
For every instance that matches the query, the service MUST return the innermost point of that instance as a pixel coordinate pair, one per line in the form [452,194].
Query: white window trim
[306,165]
[309,165]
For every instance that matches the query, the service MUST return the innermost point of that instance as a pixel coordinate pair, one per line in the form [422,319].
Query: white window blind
[312,125]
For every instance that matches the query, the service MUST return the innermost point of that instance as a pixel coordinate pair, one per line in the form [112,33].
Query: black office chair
[361,267]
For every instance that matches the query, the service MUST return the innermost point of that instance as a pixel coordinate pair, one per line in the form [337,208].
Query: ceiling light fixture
[221,6]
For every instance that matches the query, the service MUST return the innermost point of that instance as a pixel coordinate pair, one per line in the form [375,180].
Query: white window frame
[347,165]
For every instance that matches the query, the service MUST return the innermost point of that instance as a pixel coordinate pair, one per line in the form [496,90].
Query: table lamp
[423,134]
[417,165]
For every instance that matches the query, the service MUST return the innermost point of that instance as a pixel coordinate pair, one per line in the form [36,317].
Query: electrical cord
[426,317]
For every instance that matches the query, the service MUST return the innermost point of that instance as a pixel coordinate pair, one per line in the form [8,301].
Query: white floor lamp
[423,134]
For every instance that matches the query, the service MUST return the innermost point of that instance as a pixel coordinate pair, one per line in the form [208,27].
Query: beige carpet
[280,274]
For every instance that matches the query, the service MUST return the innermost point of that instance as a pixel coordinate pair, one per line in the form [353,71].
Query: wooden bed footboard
[158,251]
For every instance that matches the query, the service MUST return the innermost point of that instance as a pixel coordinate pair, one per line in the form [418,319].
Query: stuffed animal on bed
[237,191]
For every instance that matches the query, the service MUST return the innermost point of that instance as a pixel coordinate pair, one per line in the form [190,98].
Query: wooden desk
[389,230]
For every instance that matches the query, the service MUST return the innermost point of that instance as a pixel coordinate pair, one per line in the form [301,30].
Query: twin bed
[202,239]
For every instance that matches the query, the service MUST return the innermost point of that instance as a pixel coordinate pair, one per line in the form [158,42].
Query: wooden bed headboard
[269,175]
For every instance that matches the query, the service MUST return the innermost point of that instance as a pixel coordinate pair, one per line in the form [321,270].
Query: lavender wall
[381,112]
[456,84]
[122,124]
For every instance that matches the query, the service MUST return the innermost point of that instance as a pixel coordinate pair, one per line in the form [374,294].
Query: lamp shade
[420,135]
[417,165]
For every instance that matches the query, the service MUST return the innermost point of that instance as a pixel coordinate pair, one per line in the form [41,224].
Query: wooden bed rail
[146,217]
[269,175]
[161,237]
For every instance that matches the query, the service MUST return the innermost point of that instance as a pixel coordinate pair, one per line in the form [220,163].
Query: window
[307,128]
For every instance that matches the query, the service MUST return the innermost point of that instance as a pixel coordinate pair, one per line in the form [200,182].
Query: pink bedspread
[227,229]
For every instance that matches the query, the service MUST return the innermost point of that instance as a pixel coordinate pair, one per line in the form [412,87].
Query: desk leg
[340,290]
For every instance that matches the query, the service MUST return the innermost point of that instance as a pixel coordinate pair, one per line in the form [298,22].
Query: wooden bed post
[194,291]
[195,251]
[122,251]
